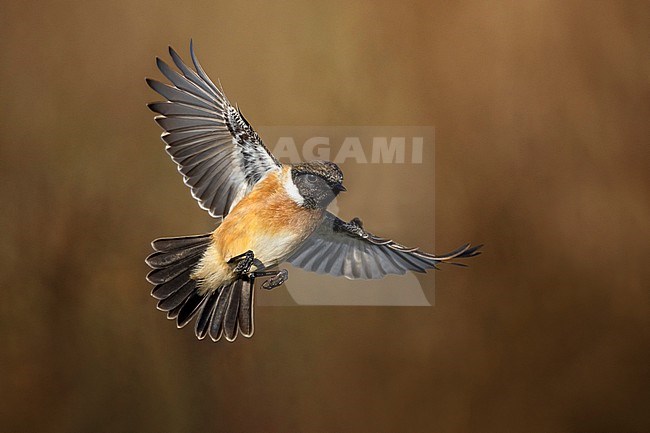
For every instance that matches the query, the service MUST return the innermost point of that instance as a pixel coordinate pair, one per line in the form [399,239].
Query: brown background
[541,112]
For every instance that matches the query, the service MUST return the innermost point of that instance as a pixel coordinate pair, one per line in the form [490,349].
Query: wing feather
[189,74]
[218,153]
[346,249]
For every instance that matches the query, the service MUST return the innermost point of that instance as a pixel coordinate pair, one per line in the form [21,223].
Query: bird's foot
[244,262]
[276,280]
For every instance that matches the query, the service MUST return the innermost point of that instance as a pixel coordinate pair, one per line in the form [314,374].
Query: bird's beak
[339,187]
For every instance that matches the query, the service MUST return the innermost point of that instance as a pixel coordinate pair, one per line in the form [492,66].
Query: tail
[221,311]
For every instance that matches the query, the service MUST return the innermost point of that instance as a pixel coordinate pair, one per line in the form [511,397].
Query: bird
[267,213]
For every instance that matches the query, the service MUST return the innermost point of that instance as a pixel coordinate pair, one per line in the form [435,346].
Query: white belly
[274,249]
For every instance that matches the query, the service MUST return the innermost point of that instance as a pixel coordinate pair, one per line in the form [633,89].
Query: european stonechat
[267,212]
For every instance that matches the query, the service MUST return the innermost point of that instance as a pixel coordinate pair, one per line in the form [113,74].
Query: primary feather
[219,154]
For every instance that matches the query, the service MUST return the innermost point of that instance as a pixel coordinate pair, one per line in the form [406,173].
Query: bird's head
[318,182]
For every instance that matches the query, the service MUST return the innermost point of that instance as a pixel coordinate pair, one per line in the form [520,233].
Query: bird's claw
[244,262]
[277,280]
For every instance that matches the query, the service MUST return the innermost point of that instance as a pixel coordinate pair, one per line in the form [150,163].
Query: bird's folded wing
[218,153]
[346,249]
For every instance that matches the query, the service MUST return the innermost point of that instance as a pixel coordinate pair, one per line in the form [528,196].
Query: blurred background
[541,110]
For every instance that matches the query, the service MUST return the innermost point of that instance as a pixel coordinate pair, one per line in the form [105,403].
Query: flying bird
[267,212]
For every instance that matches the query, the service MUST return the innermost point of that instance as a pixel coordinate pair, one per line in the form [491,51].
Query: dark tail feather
[202,325]
[246,308]
[232,311]
[173,262]
[223,311]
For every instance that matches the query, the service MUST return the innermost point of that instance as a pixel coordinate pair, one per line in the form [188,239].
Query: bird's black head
[318,182]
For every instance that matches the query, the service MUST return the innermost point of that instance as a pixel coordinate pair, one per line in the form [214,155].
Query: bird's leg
[244,262]
[264,273]
[243,268]
[277,278]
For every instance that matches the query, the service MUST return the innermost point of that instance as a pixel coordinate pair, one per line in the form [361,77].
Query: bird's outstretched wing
[346,249]
[218,153]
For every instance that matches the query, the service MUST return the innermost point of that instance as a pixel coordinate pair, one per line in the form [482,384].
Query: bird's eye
[312,178]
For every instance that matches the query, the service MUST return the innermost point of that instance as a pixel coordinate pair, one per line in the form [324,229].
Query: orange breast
[267,221]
